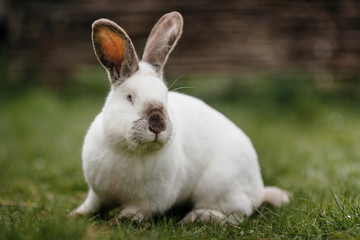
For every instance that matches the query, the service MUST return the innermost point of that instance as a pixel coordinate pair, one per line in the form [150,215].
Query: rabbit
[150,149]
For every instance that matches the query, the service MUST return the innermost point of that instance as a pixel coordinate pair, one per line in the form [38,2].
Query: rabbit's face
[136,113]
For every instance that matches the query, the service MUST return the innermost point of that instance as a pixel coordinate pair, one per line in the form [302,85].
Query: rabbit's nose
[156,122]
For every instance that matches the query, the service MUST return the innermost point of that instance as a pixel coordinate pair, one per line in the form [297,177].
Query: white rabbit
[150,149]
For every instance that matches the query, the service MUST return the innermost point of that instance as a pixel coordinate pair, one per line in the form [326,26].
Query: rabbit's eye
[129,98]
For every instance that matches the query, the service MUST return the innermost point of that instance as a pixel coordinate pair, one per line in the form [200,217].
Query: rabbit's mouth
[144,145]
[142,137]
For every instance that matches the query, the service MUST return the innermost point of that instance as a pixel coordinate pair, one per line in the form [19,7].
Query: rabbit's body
[149,149]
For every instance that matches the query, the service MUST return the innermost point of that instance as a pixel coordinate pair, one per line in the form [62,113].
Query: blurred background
[47,42]
[286,72]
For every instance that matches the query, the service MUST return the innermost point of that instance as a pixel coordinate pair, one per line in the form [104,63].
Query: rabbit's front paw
[203,215]
[211,216]
[132,214]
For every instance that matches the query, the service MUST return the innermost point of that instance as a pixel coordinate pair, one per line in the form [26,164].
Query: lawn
[307,143]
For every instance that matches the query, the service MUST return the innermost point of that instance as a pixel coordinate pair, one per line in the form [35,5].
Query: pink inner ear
[112,45]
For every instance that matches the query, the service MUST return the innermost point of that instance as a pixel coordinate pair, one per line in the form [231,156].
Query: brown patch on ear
[114,50]
[111,45]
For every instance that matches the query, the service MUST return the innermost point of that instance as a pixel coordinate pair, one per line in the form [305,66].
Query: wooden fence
[50,39]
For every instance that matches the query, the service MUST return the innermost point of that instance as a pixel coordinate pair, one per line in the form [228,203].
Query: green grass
[307,145]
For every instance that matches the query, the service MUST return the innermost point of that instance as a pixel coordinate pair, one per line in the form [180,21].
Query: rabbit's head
[136,114]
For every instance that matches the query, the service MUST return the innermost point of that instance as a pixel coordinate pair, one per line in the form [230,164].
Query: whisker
[132,146]
[125,151]
[181,88]
[115,141]
[176,81]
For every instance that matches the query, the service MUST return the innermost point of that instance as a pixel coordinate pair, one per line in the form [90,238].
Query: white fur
[201,157]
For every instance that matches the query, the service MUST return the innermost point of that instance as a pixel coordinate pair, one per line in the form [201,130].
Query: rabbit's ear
[114,50]
[162,40]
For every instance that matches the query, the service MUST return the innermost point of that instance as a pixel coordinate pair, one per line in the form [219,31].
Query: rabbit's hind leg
[91,205]
[231,208]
